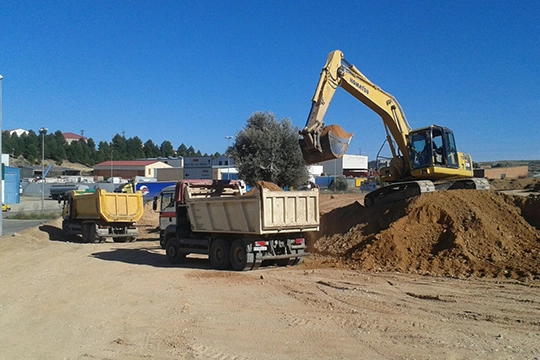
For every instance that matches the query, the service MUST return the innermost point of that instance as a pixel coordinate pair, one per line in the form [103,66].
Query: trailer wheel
[219,254]
[174,255]
[240,259]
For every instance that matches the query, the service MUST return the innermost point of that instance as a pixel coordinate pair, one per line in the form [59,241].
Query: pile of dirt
[149,223]
[454,233]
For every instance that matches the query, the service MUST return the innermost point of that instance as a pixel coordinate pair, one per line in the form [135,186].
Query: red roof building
[69,136]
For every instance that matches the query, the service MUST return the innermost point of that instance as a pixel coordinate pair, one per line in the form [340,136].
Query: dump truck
[237,231]
[98,214]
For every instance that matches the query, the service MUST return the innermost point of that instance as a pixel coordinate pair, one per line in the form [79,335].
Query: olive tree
[267,149]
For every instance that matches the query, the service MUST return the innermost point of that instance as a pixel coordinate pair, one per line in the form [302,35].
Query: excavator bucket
[334,142]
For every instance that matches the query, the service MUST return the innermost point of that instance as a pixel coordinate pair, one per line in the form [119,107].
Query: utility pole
[112,151]
[228,158]
[43,131]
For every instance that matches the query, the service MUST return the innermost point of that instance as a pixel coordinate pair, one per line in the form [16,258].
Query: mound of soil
[458,233]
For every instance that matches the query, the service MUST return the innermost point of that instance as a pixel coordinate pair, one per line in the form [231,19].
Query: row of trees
[264,150]
[86,152]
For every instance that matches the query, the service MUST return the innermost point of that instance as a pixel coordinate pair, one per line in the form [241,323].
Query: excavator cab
[331,143]
[433,146]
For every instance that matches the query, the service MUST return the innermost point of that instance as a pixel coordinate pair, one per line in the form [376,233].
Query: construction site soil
[455,233]
[449,275]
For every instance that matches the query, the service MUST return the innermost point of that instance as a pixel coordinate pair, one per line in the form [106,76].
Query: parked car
[5,207]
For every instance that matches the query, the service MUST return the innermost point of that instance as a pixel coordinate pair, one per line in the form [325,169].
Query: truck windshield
[167,200]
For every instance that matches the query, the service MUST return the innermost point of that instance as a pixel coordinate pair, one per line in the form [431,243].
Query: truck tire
[162,242]
[172,250]
[89,232]
[220,254]
[65,228]
[241,260]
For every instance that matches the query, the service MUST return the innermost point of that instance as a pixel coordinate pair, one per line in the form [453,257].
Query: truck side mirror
[154,204]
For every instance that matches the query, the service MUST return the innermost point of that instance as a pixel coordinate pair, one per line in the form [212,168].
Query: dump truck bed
[108,207]
[264,212]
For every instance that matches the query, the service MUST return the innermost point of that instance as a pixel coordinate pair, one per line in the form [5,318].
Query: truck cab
[167,213]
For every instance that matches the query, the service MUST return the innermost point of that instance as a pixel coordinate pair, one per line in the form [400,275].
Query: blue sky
[193,71]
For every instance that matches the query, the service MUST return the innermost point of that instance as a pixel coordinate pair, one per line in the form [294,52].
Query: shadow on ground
[56,234]
[150,257]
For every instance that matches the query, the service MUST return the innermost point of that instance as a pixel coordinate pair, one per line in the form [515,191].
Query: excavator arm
[322,143]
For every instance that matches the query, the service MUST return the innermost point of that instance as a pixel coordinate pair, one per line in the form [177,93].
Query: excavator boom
[322,143]
[419,157]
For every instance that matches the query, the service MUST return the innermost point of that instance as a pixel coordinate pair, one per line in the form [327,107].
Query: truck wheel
[240,259]
[89,233]
[162,243]
[219,254]
[173,252]
[65,227]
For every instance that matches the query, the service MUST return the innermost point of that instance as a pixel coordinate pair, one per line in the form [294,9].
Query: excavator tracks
[404,190]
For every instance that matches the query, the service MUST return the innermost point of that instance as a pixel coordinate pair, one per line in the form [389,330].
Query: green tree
[266,149]
[92,150]
[151,150]
[32,146]
[135,148]
[166,149]
[119,147]
[182,150]
[104,152]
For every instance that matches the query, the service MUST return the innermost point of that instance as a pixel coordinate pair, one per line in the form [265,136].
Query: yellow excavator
[423,160]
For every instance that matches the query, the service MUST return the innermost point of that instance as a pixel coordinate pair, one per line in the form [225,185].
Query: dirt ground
[442,276]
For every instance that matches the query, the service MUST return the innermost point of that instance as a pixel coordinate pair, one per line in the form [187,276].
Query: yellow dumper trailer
[98,214]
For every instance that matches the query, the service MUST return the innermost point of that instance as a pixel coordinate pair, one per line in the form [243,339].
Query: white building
[348,165]
[19,132]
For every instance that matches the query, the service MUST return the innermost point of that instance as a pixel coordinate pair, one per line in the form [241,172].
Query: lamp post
[228,159]
[43,131]
[112,150]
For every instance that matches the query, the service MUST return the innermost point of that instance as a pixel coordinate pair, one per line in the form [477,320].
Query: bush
[339,184]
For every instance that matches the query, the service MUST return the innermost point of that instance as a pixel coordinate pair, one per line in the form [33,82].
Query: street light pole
[228,158]
[43,131]
[112,150]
